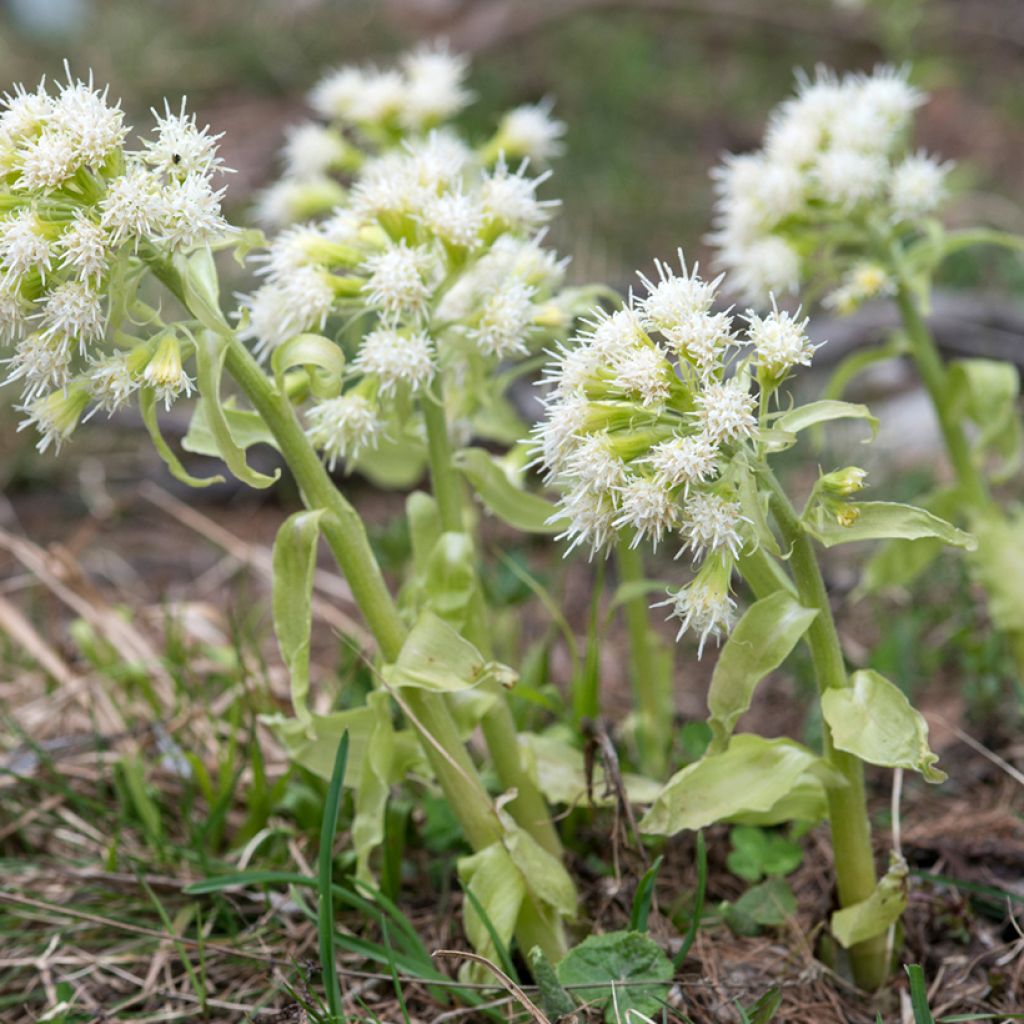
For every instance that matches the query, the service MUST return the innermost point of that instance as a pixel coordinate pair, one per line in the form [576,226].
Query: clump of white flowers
[654,416]
[433,248]
[835,174]
[78,210]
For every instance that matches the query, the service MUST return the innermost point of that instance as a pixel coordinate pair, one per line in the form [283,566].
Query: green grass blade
[919,995]
[325,891]
[643,898]
[504,959]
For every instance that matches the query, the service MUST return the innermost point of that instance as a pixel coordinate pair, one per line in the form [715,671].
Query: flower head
[343,427]
[396,359]
[704,605]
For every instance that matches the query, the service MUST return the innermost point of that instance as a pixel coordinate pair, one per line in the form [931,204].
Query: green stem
[652,688]
[935,379]
[529,808]
[848,815]
[347,539]
[933,373]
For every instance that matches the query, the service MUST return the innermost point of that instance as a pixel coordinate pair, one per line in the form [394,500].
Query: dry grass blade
[506,982]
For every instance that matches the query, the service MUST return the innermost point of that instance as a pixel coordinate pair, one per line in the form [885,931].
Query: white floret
[726,411]
[396,359]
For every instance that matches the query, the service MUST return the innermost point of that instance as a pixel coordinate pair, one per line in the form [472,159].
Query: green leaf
[752,775]
[201,287]
[545,875]
[897,563]
[643,897]
[875,915]
[754,506]
[499,889]
[764,1010]
[919,1000]
[294,565]
[618,972]
[561,775]
[824,411]
[424,527]
[760,642]
[521,509]
[768,905]
[379,757]
[805,801]
[325,864]
[434,657]
[873,719]
[246,426]
[398,461]
[210,352]
[756,853]
[450,579]
[147,407]
[322,358]
[881,520]
[998,567]
[986,392]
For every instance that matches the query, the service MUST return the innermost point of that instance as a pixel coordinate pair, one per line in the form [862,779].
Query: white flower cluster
[836,152]
[370,112]
[646,413]
[438,243]
[77,208]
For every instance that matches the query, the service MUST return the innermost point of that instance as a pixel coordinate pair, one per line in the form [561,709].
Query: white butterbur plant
[662,419]
[427,267]
[421,256]
[836,171]
[81,212]
[839,202]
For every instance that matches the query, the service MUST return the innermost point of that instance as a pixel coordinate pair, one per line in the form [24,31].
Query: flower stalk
[528,808]
[848,815]
[652,688]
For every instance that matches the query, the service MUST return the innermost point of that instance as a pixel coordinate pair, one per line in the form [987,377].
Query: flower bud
[841,483]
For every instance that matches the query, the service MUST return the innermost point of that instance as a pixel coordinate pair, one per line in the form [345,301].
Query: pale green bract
[758,644]
[879,912]
[752,775]
[873,719]
[883,520]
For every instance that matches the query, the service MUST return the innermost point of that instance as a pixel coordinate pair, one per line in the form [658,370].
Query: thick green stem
[847,805]
[529,808]
[652,689]
[969,477]
[933,375]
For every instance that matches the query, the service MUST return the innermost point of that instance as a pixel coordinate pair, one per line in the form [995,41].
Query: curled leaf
[434,657]
[147,408]
[875,915]
[211,349]
[824,411]
[321,357]
[519,508]
[294,564]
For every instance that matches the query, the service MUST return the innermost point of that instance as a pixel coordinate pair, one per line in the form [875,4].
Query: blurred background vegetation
[652,90]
